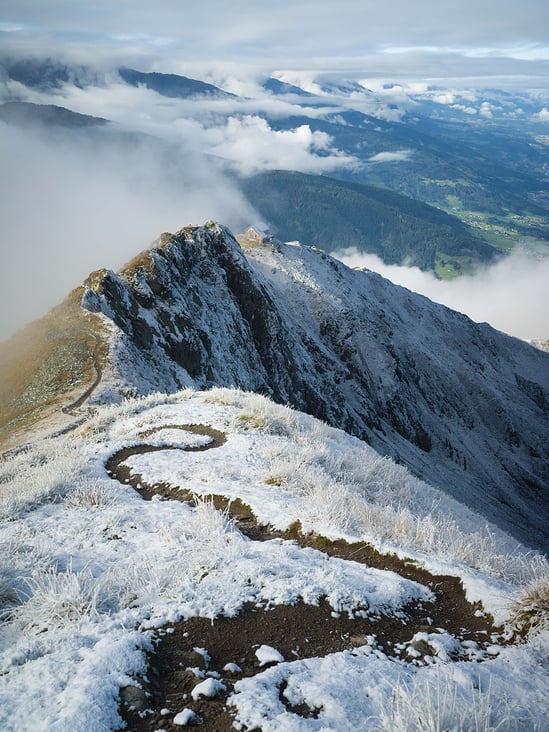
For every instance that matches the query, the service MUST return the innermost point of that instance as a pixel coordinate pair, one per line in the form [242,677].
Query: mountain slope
[333,214]
[43,74]
[27,113]
[439,169]
[461,404]
[171,85]
[155,570]
[48,365]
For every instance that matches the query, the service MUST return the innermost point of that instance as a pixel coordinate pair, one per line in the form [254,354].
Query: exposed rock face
[461,404]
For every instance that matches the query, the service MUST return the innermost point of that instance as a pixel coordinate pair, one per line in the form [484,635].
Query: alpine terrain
[247,487]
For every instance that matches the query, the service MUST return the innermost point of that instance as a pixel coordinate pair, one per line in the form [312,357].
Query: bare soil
[296,631]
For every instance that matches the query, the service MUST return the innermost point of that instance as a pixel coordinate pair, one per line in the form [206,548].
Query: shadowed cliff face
[464,406]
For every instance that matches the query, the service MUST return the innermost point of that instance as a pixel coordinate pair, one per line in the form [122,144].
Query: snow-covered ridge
[462,405]
[88,568]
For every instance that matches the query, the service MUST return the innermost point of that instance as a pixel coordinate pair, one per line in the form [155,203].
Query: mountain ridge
[172,85]
[462,405]
[286,321]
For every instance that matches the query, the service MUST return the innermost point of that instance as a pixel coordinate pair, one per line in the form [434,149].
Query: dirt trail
[297,631]
[96,361]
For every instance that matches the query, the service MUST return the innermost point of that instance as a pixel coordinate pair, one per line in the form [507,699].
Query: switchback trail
[297,631]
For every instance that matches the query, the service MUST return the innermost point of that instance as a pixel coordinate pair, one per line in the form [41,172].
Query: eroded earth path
[193,650]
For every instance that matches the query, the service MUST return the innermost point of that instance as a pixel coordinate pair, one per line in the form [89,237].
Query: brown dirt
[297,631]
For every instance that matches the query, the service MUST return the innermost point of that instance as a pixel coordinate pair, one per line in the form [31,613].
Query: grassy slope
[46,365]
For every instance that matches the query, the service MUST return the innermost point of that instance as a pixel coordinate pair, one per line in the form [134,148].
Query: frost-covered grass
[38,475]
[347,486]
[84,561]
[365,690]
[530,609]
[93,494]
[54,600]
[435,704]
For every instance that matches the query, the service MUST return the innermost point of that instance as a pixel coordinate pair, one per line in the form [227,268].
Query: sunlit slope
[47,365]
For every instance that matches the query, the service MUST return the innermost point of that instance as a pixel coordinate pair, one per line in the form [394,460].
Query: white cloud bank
[253,145]
[512,295]
[69,207]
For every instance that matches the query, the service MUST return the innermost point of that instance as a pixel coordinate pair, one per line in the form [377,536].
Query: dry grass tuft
[89,496]
[530,610]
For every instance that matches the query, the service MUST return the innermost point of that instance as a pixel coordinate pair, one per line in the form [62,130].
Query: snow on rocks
[267,654]
[186,717]
[209,688]
[232,668]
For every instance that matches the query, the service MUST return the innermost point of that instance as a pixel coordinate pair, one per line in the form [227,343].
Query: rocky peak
[464,406]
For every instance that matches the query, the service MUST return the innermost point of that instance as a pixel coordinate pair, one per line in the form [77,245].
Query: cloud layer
[70,206]
[310,34]
[512,295]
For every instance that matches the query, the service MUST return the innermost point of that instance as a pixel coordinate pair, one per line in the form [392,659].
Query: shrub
[441,705]
[89,495]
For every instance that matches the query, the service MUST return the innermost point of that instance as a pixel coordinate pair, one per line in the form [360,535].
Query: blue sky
[431,38]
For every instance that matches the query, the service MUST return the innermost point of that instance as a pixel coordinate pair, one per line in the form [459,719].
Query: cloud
[235,129]
[253,145]
[309,34]
[71,205]
[512,295]
[391,156]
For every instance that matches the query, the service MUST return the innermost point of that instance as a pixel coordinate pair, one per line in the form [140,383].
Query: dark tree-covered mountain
[332,214]
[171,85]
[27,113]
[436,163]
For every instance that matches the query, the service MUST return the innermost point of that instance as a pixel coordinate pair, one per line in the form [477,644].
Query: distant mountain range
[28,114]
[171,85]
[482,161]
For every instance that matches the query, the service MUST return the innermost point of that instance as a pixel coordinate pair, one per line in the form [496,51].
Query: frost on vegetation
[52,600]
[90,495]
[529,612]
[258,411]
[436,705]
[37,476]
[116,415]
[174,568]
[213,531]
[18,560]
[350,489]
[226,397]
[147,578]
